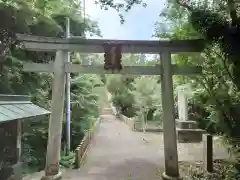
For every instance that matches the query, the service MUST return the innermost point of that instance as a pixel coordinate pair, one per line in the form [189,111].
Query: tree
[44,18]
[121,85]
[216,93]
[146,98]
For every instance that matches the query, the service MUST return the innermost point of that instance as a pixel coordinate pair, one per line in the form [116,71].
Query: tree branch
[180,3]
[233,11]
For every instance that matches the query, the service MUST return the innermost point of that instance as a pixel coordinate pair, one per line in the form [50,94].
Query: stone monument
[187,130]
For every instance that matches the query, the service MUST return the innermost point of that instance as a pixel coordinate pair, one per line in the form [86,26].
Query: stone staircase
[107,111]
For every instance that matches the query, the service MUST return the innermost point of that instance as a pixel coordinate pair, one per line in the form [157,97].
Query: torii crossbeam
[75,44]
[60,67]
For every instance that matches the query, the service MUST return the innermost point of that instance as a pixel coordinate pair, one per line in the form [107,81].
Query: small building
[13,110]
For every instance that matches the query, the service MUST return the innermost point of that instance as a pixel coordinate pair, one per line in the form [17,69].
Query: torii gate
[60,67]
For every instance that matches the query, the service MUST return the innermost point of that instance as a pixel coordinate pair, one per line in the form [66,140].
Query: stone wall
[136,125]
[82,148]
[129,121]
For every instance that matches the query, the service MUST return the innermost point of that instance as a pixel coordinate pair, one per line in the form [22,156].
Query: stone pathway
[117,153]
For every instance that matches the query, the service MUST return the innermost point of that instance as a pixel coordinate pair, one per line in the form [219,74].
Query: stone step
[186,124]
[107,105]
[189,135]
[107,111]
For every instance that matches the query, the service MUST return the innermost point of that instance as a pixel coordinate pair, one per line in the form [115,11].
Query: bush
[120,87]
[134,98]
[147,99]
[223,171]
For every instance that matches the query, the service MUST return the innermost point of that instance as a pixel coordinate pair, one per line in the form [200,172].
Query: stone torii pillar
[169,125]
[56,117]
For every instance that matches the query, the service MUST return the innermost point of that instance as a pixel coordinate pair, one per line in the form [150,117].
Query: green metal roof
[13,107]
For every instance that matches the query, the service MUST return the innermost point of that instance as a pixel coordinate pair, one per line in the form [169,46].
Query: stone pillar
[169,126]
[187,130]
[56,117]
[182,105]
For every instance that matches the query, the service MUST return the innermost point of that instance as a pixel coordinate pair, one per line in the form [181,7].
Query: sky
[139,21]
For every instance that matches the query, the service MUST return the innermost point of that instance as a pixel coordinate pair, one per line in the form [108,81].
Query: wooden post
[56,117]
[77,165]
[208,152]
[169,127]
[19,139]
